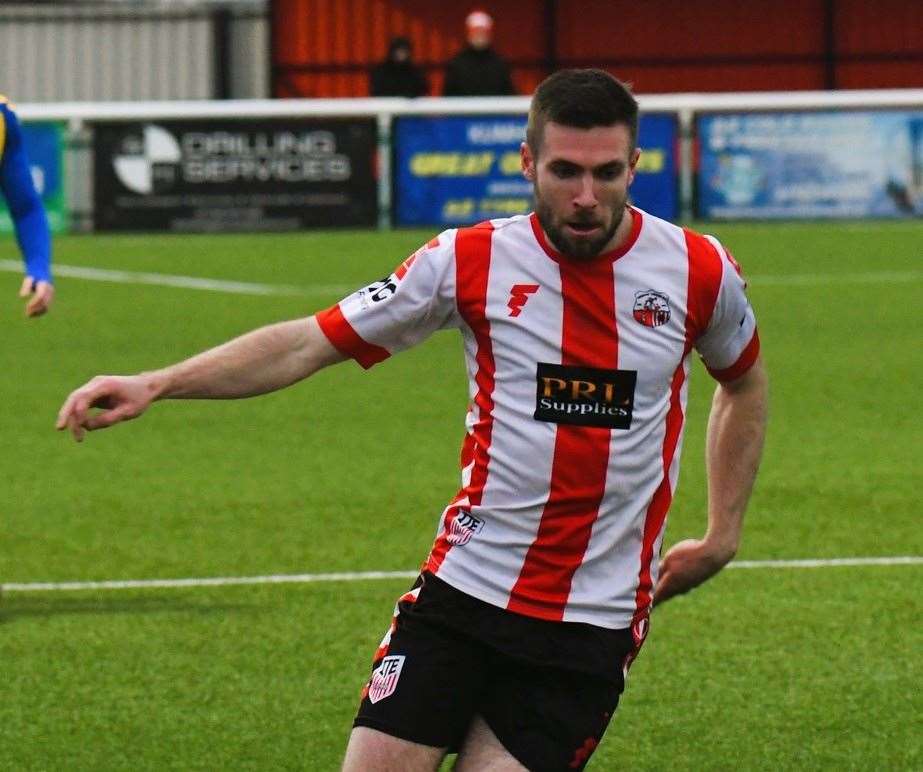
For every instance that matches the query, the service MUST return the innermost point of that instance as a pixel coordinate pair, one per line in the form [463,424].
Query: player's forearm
[264,360]
[27,212]
[34,240]
[736,430]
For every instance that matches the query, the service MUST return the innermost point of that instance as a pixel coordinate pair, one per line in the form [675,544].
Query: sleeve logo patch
[585,396]
[652,308]
[385,678]
[377,291]
[385,288]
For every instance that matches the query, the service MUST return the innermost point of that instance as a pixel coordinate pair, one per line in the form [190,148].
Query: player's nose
[585,197]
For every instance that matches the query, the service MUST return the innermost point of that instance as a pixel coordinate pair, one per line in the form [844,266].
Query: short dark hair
[582,99]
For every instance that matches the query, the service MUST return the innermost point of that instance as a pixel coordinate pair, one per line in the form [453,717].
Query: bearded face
[581,179]
[583,234]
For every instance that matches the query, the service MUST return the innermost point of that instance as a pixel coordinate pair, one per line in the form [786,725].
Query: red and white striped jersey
[578,374]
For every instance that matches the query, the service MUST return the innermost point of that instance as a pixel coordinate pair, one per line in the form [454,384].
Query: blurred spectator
[478,70]
[397,75]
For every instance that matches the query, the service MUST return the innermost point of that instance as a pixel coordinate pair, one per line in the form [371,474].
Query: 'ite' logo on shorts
[585,396]
[385,678]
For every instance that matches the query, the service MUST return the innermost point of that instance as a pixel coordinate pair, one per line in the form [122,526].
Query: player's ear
[633,163]
[528,161]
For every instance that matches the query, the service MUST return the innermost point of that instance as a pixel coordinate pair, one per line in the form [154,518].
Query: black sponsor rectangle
[585,396]
[235,174]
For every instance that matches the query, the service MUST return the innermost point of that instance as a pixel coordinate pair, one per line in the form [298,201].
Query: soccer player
[29,218]
[578,322]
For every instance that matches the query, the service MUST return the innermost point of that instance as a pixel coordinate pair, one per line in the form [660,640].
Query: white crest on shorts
[384,677]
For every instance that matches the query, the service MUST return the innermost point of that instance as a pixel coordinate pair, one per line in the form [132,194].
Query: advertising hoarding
[231,175]
[465,169]
[811,164]
[655,188]
[44,145]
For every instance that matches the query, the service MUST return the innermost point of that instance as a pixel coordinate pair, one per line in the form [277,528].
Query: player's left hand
[41,293]
[688,564]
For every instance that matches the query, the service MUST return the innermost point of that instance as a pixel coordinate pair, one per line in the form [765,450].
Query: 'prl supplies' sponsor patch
[585,396]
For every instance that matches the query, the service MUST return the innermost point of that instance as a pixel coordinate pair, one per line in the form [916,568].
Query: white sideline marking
[130,584]
[216,581]
[910,560]
[184,282]
[253,288]
[810,279]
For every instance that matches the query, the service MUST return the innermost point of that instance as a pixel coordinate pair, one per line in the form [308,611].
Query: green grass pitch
[761,669]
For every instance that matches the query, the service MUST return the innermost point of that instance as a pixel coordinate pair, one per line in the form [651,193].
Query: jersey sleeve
[399,311]
[26,209]
[730,344]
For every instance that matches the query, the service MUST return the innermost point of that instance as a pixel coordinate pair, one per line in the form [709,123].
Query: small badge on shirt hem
[462,527]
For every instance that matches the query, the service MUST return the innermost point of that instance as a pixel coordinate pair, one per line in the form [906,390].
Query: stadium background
[774,665]
[324,49]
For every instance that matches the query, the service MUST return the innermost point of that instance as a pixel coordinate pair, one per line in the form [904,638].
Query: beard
[570,246]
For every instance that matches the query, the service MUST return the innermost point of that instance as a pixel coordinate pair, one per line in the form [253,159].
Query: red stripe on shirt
[472,268]
[706,272]
[402,269]
[744,362]
[581,453]
[703,283]
[342,335]
[660,503]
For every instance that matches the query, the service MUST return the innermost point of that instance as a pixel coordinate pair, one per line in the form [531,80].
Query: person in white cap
[478,70]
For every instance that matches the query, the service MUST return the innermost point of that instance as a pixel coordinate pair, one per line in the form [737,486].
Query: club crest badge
[652,308]
[385,678]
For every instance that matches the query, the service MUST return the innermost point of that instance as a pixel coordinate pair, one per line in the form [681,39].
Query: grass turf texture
[760,669]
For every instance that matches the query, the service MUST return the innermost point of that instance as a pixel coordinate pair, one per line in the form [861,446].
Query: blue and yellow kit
[25,206]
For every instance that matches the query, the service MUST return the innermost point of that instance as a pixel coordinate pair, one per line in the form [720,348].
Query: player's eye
[609,173]
[564,171]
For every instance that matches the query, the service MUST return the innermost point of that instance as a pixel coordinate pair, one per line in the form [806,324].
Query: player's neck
[623,232]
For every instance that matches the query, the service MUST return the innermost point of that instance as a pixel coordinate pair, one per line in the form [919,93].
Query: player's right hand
[119,397]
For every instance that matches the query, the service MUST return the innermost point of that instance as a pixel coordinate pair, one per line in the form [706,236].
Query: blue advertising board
[43,143]
[655,188]
[811,164]
[465,169]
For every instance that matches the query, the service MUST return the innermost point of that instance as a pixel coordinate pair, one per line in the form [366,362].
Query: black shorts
[546,689]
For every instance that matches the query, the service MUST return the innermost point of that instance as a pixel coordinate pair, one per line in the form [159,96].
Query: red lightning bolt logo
[519,294]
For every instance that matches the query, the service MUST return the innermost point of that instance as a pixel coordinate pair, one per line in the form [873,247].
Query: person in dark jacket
[478,70]
[397,75]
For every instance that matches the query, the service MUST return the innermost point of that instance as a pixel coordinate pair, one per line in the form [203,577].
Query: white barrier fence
[81,117]
[133,50]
